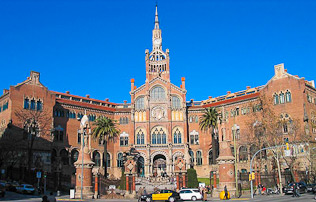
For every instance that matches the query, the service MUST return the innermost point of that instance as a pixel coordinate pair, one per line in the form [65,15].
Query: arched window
[253,150]
[264,152]
[96,158]
[190,119]
[210,157]
[33,104]
[139,103]
[288,96]
[191,156]
[243,153]
[140,137]
[158,93]
[120,160]
[39,105]
[54,155]
[176,103]
[276,99]
[74,156]
[198,158]
[196,119]
[158,136]
[124,139]
[194,137]
[64,157]
[281,98]
[177,137]
[26,103]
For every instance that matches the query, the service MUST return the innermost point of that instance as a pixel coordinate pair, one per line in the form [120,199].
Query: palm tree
[104,131]
[208,122]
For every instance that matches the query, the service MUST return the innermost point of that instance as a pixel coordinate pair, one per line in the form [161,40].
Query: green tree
[208,122]
[192,178]
[104,131]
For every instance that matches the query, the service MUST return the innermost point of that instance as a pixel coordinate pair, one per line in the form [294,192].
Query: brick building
[159,122]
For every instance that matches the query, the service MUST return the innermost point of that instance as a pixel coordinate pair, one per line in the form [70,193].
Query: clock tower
[157,61]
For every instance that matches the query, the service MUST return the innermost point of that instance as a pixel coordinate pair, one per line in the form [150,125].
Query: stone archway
[141,166]
[159,165]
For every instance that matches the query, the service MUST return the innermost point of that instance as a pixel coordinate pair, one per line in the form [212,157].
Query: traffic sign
[38,174]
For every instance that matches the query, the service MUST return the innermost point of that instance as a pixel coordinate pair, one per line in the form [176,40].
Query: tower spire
[156,18]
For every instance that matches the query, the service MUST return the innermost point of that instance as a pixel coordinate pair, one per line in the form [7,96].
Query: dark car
[162,195]
[11,186]
[2,190]
[302,188]
[310,187]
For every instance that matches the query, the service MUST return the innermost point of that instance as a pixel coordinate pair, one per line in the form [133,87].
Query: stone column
[84,164]
[214,179]
[86,169]
[226,168]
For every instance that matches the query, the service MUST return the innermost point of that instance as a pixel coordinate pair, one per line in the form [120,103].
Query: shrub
[123,181]
[192,178]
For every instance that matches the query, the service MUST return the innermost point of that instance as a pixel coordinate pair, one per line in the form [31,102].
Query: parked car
[162,195]
[310,187]
[11,186]
[25,189]
[314,189]
[3,183]
[190,194]
[2,190]
[301,188]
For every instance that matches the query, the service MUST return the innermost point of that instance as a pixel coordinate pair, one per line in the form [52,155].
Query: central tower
[158,115]
[157,61]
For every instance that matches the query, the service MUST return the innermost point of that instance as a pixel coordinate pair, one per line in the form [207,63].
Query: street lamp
[84,125]
[235,155]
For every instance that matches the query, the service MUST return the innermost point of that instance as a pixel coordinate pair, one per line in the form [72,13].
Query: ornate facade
[159,122]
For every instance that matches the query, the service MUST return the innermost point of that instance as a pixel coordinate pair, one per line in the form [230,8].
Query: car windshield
[196,190]
[28,187]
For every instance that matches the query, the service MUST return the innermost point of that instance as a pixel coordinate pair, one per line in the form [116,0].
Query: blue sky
[96,46]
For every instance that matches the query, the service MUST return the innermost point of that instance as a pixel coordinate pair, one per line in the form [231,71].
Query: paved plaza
[11,196]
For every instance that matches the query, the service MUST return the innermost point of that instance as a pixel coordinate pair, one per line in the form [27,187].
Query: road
[11,196]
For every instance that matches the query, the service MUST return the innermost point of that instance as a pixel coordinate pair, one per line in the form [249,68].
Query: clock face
[157,41]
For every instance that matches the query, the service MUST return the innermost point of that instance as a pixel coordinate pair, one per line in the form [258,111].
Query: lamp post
[82,162]
[235,155]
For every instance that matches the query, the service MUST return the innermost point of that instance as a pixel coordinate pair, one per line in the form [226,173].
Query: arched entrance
[159,165]
[141,167]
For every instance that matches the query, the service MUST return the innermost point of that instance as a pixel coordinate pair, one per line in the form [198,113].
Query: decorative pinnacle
[156,19]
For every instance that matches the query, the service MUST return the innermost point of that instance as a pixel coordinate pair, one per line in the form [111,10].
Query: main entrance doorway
[159,165]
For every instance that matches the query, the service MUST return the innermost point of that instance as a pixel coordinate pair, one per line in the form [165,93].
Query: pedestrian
[239,190]
[204,194]
[298,191]
[144,191]
[139,193]
[51,197]
[226,192]
[259,189]
[212,188]
[294,190]
[44,199]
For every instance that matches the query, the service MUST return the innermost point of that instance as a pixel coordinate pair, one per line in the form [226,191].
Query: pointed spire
[156,18]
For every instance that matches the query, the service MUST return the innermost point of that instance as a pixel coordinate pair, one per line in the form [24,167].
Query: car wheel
[172,199]
[193,198]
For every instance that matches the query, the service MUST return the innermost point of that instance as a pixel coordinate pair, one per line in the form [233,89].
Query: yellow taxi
[162,195]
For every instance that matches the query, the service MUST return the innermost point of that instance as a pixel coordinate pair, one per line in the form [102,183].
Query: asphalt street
[11,196]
